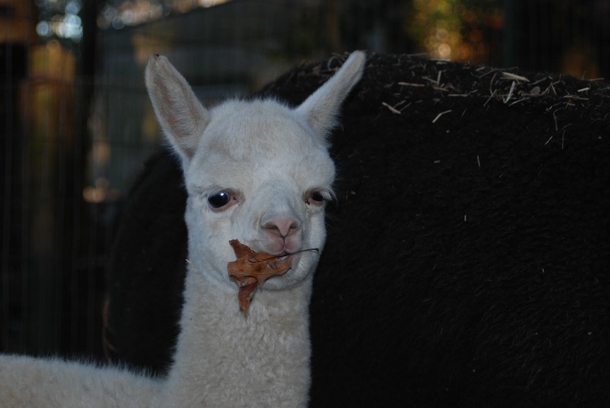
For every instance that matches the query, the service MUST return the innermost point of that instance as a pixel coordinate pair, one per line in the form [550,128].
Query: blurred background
[76,124]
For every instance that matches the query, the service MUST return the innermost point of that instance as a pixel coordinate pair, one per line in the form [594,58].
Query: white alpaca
[255,171]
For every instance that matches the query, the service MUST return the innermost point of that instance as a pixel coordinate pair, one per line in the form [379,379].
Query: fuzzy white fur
[273,164]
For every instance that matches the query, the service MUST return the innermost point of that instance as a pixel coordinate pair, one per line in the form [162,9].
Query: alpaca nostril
[282,226]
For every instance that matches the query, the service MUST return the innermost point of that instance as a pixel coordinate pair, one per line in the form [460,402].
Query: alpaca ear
[180,114]
[321,109]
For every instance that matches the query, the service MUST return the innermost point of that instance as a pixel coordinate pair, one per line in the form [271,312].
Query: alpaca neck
[226,359]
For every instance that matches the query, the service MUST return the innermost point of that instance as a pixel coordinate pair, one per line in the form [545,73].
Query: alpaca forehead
[251,130]
[247,142]
[219,171]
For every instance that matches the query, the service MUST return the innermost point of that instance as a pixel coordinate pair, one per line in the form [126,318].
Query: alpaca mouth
[284,257]
[275,261]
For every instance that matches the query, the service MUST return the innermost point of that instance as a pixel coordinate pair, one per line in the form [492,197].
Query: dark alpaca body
[467,261]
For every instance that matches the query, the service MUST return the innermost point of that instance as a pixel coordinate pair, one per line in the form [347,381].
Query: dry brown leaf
[252,269]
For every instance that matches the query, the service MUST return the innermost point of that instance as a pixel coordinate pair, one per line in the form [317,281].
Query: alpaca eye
[315,198]
[219,199]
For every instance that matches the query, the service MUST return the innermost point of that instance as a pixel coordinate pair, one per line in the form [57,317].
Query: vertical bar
[7,195]
[509,57]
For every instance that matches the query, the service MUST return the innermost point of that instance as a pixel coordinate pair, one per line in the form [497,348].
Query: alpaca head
[255,171]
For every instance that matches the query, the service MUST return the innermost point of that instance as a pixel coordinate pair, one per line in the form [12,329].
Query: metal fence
[76,126]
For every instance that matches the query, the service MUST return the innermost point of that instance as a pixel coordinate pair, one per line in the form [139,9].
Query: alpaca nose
[281,226]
